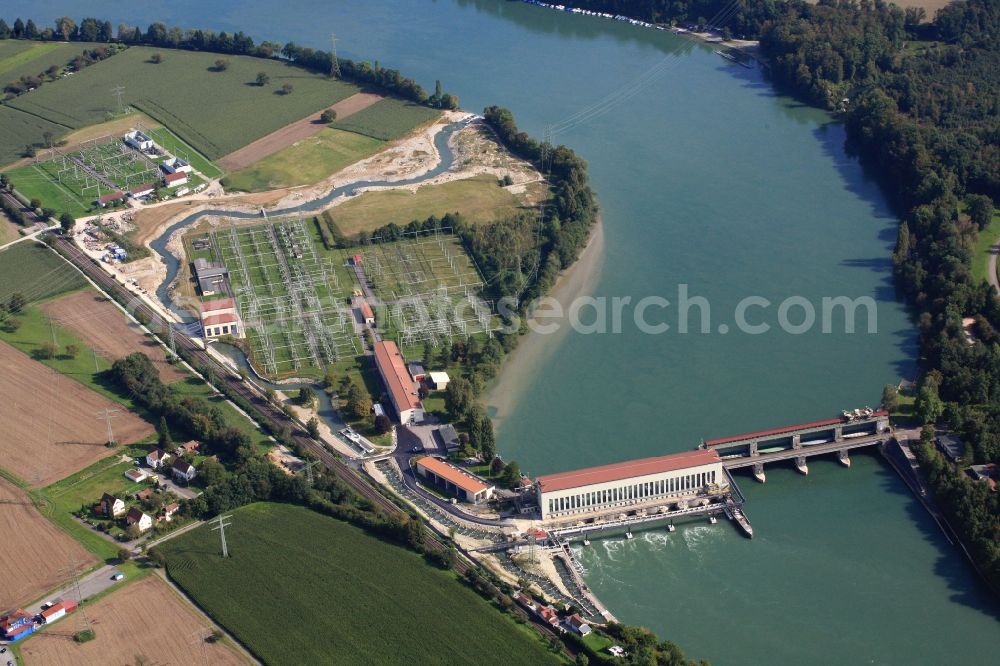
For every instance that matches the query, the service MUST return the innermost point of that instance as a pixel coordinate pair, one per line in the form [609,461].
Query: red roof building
[399,385]
[117,195]
[454,479]
[626,470]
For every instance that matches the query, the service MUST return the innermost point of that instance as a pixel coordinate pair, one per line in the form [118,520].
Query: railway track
[69,251]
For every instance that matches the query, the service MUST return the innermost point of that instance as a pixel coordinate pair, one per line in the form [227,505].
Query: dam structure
[694,483]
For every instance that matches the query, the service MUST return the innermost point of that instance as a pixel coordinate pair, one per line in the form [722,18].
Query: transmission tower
[107,415]
[173,343]
[72,570]
[96,351]
[308,471]
[117,92]
[334,61]
[222,532]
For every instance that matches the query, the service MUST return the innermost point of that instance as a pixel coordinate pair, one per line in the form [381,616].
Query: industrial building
[455,480]
[211,277]
[139,141]
[399,385]
[629,483]
[17,625]
[219,317]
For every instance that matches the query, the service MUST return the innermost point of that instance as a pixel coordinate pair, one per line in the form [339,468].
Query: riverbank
[520,366]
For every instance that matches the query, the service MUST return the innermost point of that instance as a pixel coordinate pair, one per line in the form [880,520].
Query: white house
[168,511]
[111,505]
[578,624]
[142,191]
[176,165]
[138,517]
[138,140]
[156,458]
[184,470]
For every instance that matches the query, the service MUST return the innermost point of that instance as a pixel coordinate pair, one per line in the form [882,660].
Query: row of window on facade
[216,331]
[633,492]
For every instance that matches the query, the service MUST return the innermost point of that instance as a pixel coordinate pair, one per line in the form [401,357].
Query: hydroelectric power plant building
[629,483]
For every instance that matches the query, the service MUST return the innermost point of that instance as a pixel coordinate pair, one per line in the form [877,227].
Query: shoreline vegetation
[918,99]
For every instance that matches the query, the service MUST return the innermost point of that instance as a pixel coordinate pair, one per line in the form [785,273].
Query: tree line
[238,43]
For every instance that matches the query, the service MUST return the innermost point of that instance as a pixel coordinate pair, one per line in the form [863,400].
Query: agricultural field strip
[289,298]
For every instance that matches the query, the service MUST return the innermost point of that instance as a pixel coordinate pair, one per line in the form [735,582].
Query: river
[707,178]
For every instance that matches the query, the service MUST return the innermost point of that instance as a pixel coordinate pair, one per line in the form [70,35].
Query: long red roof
[458,476]
[397,379]
[784,429]
[626,470]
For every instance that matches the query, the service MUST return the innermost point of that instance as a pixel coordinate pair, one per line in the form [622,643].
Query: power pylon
[308,471]
[334,61]
[222,532]
[117,92]
[107,415]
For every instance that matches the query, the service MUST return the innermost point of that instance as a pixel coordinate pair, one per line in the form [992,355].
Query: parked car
[118,575]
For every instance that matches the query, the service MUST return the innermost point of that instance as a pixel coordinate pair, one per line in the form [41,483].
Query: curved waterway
[709,178]
[441,143]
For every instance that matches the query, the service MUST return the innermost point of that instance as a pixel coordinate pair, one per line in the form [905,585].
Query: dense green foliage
[348,597]
[503,249]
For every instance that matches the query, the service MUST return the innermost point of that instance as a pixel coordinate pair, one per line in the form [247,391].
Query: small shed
[438,380]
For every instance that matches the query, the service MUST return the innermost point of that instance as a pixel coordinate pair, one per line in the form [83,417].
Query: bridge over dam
[658,490]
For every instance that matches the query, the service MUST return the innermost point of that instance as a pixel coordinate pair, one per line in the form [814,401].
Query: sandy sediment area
[520,366]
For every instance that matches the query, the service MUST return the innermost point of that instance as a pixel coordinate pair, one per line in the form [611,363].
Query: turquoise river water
[707,178]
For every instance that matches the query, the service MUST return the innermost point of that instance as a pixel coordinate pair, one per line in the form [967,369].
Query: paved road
[90,585]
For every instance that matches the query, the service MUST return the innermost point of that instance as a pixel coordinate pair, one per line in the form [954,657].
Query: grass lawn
[981,253]
[308,161]
[480,199]
[175,146]
[36,272]
[346,597]
[214,112]
[388,119]
[58,501]
[39,181]
[597,642]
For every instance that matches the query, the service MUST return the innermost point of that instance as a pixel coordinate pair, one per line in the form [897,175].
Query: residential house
[110,506]
[549,615]
[137,516]
[156,458]
[144,495]
[187,447]
[167,512]
[183,470]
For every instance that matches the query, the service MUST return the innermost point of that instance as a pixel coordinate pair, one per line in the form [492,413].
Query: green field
[308,161]
[27,58]
[325,592]
[36,272]
[215,112]
[19,129]
[39,181]
[479,199]
[387,119]
[981,252]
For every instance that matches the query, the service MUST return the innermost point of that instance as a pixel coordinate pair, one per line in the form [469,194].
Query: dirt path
[293,133]
[102,325]
[33,551]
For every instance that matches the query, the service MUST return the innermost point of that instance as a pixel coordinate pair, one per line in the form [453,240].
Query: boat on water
[712,520]
[628,535]
[742,521]
[671,527]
